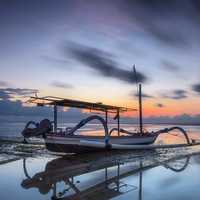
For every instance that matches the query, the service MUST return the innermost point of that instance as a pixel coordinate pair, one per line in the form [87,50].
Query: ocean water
[151,175]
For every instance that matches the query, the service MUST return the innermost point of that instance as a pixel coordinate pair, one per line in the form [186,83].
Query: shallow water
[168,174]
[30,172]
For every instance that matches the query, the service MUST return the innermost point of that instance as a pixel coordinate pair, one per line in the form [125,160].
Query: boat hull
[78,144]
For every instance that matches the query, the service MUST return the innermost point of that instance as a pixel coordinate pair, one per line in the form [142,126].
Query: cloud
[9,109]
[145,96]
[16,108]
[155,18]
[170,66]
[7,93]
[102,63]
[3,84]
[176,94]
[196,88]
[63,85]
[159,105]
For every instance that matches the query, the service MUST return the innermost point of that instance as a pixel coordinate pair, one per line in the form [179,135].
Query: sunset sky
[86,49]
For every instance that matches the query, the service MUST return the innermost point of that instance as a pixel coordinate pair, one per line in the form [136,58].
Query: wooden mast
[140,108]
[139,99]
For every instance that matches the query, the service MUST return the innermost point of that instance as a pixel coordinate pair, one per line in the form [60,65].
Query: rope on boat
[121,130]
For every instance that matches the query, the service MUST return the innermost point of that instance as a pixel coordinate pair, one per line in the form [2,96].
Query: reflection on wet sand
[72,178]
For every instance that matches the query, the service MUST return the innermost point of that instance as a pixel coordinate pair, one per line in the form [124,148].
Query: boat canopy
[98,106]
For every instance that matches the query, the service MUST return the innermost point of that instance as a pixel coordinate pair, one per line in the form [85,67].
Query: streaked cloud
[196,88]
[155,18]
[16,108]
[63,85]
[145,96]
[159,105]
[7,93]
[175,94]
[103,63]
[169,66]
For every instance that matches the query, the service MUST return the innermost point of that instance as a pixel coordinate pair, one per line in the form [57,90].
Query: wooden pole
[118,122]
[106,117]
[140,108]
[55,118]
[106,134]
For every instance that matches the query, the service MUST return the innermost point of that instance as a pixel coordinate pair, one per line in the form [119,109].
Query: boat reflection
[71,179]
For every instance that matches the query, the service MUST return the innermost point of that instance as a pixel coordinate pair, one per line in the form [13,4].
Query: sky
[86,50]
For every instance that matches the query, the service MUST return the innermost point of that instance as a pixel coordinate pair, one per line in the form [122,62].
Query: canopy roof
[50,100]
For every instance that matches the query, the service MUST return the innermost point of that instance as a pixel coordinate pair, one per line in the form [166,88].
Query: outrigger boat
[66,141]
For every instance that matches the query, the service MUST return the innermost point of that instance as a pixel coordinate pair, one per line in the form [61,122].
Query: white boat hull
[79,144]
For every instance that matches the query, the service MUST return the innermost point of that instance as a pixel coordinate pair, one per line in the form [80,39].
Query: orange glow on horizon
[171,107]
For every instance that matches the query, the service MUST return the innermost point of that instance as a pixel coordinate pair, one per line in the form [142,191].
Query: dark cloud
[155,18]
[196,88]
[170,66]
[196,5]
[9,108]
[145,96]
[176,94]
[17,108]
[63,85]
[159,105]
[102,63]
[7,93]
[3,84]
[160,33]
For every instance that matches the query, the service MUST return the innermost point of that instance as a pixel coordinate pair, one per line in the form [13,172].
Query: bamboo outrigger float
[66,141]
